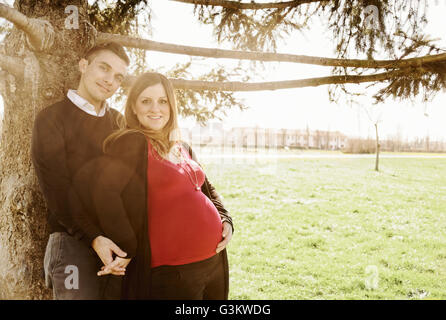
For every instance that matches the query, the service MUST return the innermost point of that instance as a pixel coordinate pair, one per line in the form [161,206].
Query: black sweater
[118,193]
[65,139]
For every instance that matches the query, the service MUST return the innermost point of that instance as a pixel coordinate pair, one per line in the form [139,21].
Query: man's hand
[117,267]
[105,248]
[227,235]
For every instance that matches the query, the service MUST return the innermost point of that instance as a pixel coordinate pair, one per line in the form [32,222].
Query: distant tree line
[395,144]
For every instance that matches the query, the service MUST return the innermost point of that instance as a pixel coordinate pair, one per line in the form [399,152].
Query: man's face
[101,77]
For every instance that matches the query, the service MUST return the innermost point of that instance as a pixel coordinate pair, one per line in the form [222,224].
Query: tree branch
[40,32]
[267,56]
[252,5]
[261,86]
[14,66]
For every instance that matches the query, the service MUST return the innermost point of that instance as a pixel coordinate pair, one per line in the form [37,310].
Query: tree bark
[46,77]
[39,32]
[13,65]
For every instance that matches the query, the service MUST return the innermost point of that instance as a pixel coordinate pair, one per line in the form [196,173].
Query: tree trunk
[47,76]
[377,148]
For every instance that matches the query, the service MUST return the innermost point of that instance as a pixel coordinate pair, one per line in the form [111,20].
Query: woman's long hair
[161,140]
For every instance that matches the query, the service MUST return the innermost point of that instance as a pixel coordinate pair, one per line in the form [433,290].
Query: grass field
[335,228]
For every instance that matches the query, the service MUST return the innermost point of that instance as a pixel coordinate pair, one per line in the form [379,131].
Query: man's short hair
[110,46]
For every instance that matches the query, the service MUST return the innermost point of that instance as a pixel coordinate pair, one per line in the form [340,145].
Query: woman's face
[152,107]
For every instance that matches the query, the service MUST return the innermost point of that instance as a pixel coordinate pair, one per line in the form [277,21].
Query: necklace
[195,184]
[176,157]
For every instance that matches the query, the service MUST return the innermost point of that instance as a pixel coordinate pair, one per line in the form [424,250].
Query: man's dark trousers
[71,271]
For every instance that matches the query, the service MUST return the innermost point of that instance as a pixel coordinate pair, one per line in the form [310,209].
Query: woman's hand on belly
[226,234]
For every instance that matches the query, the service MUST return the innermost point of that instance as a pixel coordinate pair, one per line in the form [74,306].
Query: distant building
[215,135]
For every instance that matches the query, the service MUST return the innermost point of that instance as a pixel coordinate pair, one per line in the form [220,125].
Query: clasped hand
[105,248]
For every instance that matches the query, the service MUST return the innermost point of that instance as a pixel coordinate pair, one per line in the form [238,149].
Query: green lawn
[326,228]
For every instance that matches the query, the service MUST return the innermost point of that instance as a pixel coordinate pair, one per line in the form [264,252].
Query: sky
[174,22]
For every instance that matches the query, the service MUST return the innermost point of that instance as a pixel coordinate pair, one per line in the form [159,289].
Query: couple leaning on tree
[129,206]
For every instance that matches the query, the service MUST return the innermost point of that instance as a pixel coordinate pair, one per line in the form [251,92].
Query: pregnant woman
[154,201]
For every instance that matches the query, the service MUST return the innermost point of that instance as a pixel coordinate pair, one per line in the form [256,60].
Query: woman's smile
[152,107]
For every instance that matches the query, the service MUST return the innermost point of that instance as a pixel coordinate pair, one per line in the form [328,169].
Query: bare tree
[375,117]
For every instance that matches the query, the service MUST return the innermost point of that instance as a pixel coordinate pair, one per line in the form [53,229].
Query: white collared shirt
[84,105]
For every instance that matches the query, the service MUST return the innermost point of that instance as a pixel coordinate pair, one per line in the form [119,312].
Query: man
[67,136]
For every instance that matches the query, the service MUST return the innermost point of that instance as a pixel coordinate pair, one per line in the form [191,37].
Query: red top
[184,225]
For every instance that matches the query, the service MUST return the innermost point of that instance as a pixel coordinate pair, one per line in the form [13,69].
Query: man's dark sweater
[65,139]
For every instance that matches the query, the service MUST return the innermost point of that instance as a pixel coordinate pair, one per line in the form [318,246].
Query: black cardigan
[64,140]
[119,196]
